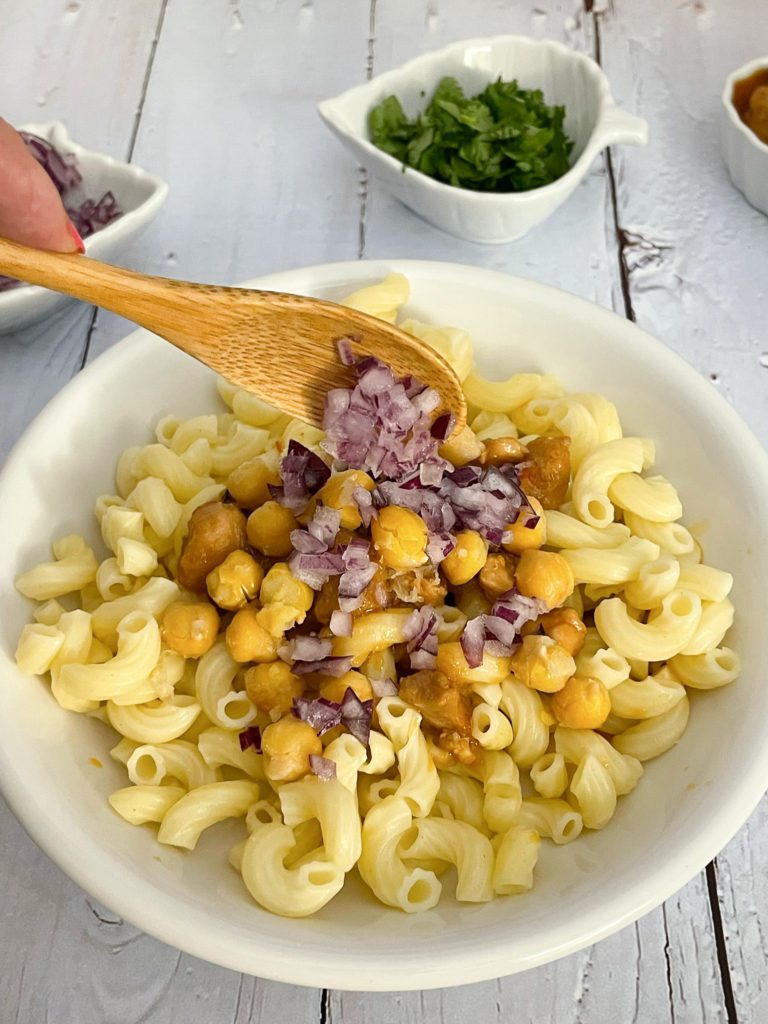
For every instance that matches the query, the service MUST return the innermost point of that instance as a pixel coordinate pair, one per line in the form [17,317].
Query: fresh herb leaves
[505,139]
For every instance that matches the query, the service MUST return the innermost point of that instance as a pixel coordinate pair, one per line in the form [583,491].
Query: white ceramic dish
[746,157]
[688,805]
[139,194]
[592,120]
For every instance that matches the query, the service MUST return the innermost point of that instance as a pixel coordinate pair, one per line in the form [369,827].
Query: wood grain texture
[694,258]
[223,107]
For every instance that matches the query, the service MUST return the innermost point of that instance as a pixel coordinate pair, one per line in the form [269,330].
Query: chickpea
[500,450]
[583,703]
[280,586]
[440,703]
[337,493]
[287,745]
[334,689]
[273,686]
[190,629]
[236,581]
[566,628]
[547,474]
[467,558]
[546,575]
[400,537]
[247,639]
[542,664]
[452,663]
[249,482]
[471,600]
[269,529]
[497,575]
[465,749]
[518,537]
[215,530]
[462,447]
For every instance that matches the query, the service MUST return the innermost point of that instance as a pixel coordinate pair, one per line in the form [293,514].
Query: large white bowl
[566,77]
[688,805]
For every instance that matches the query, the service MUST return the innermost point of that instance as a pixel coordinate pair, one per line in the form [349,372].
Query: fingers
[31,210]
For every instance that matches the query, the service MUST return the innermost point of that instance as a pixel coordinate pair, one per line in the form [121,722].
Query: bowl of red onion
[109,202]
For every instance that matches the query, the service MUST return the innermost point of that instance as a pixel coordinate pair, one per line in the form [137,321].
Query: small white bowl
[687,806]
[139,195]
[566,77]
[746,157]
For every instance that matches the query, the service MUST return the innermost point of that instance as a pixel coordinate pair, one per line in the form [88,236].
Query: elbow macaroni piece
[524,709]
[549,775]
[491,727]
[459,844]
[297,891]
[575,744]
[203,807]
[142,804]
[334,806]
[517,852]
[708,671]
[381,865]
[156,722]
[608,566]
[74,566]
[222,704]
[552,819]
[646,698]
[654,736]
[657,640]
[594,792]
[652,497]
[598,471]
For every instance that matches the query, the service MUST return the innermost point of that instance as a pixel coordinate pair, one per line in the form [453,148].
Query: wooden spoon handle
[125,292]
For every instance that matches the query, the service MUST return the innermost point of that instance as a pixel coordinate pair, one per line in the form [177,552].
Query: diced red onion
[356,716]
[250,737]
[344,348]
[335,666]
[439,546]
[423,660]
[473,641]
[443,426]
[324,525]
[341,623]
[303,473]
[321,714]
[323,767]
[306,544]
[526,608]
[383,687]
[315,569]
[309,648]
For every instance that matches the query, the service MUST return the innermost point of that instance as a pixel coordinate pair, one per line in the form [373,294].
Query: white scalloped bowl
[566,76]
[686,807]
[139,194]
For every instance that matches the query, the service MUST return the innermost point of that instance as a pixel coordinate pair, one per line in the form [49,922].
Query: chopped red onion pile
[324,714]
[91,215]
[386,427]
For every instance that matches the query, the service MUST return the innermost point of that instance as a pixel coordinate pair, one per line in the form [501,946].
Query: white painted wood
[257,185]
[698,281]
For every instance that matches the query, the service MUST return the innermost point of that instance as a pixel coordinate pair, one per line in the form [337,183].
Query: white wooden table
[218,97]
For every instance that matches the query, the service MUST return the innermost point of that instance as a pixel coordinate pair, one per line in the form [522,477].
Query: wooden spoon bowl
[282,347]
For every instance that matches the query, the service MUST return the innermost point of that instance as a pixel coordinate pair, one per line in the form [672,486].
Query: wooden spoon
[283,347]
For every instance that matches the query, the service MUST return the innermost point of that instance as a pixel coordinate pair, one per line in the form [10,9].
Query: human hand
[31,210]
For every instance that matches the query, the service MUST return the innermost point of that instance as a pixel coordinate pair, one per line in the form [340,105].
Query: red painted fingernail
[76,236]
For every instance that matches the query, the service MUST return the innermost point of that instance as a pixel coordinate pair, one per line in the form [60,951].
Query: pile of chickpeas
[237,562]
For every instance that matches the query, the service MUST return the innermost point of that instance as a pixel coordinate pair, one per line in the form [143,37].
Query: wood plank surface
[219,98]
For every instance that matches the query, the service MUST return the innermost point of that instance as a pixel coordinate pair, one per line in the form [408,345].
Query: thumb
[31,210]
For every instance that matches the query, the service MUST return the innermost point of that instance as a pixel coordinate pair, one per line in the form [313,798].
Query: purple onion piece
[341,623]
[250,737]
[323,767]
[473,641]
[335,666]
[383,687]
[321,714]
[309,648]
[356,716]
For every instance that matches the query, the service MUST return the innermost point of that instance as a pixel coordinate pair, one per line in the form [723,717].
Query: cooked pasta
[399,659]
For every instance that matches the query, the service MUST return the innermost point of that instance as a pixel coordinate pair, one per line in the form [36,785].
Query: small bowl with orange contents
[744,131]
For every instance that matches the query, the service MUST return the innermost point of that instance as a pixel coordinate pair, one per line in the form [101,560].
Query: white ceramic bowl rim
[122,886]
[575,172]
[743,72]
